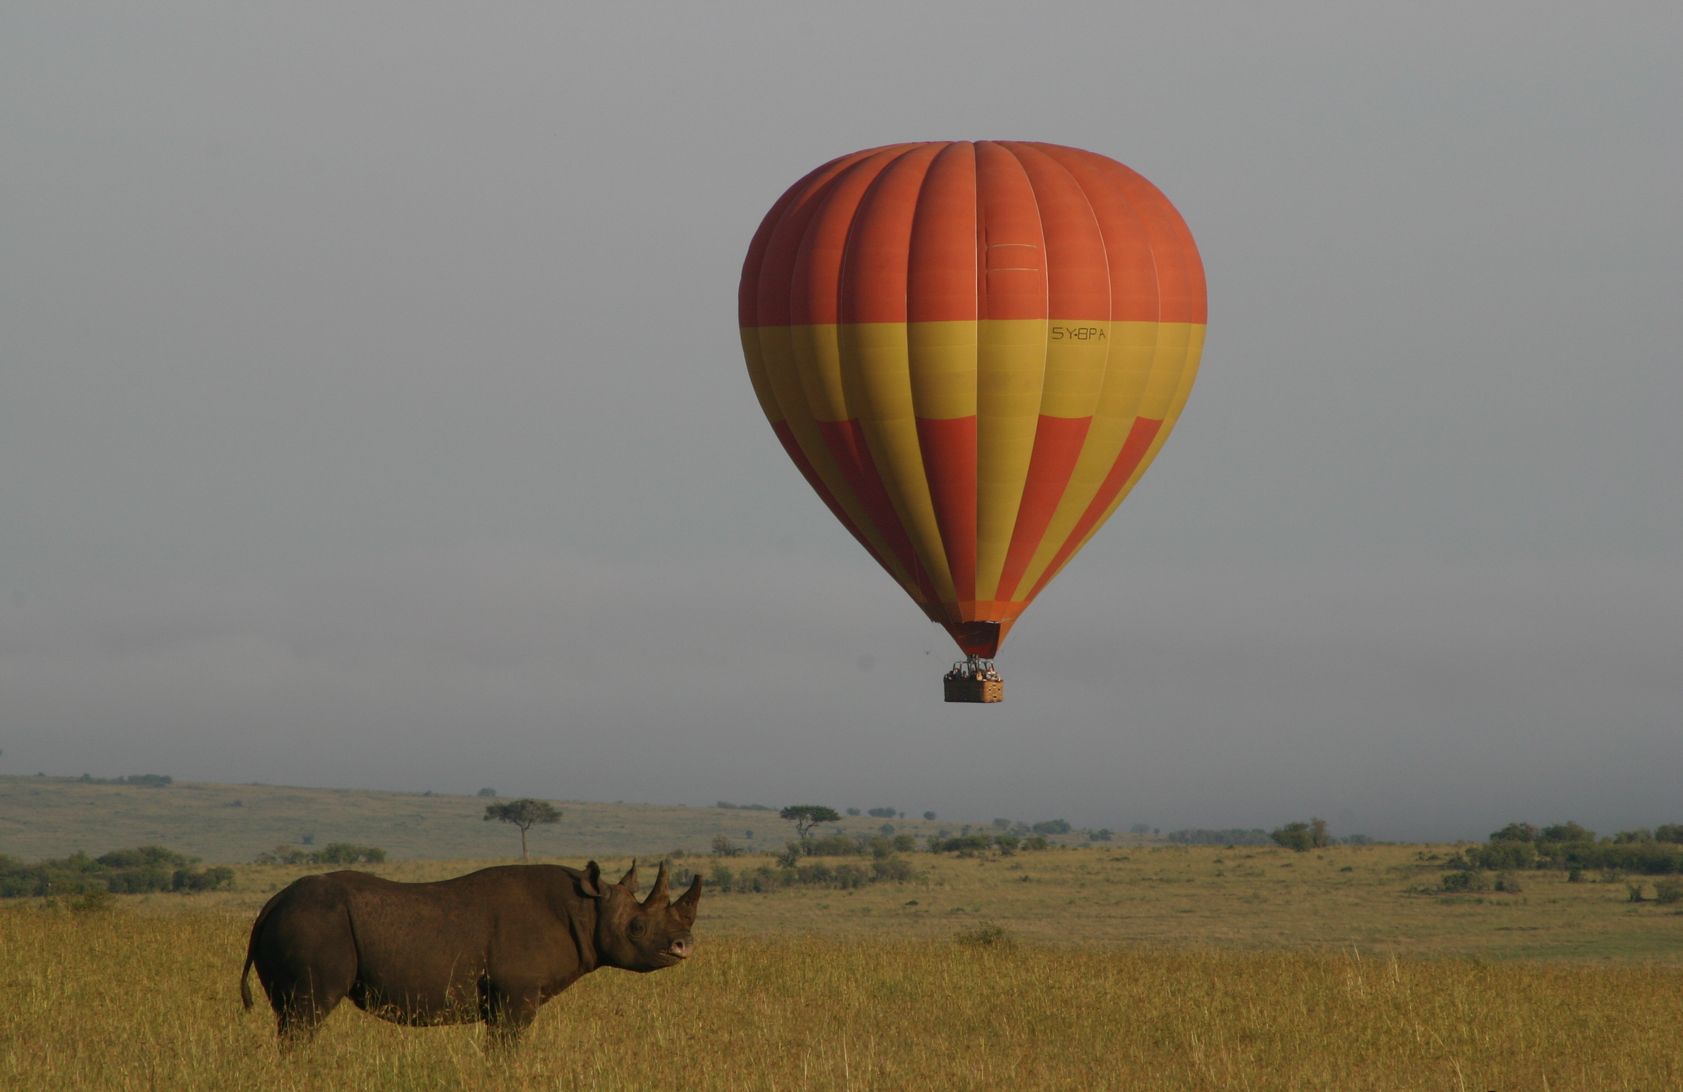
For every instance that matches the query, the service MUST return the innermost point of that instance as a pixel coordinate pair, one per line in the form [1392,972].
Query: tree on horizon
[807,816]
[524,813]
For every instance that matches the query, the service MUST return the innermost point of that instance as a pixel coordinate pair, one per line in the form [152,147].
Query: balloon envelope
[972,351]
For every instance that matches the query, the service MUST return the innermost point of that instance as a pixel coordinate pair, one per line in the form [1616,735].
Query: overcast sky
[372,412]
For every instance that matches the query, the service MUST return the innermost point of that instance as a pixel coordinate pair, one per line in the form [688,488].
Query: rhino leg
[302,1001]
[507,1013]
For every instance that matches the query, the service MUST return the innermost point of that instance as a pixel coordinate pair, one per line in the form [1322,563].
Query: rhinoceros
[489,946]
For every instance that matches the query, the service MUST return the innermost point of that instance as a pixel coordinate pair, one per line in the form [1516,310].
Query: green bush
[1649,858]
[211,879]
[1232,836]
[1515,832]
[1302,837]
[1565,832]
[334,853]
[122,872]
[343,853]
[846,876]
[892,870]
[1504,855]
[832,845]
[965,845]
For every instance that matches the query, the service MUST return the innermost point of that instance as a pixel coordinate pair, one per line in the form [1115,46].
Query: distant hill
[228,824]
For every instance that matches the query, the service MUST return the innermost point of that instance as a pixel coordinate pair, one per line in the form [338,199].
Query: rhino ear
[685,907]
[591,882]
[629,880]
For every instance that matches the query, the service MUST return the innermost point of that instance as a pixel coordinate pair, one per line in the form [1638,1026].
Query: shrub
[1230,837]
[335,853]
[985,935]
[1504,855]
[965,845]
[211,879]
[1302,837]
[344,853]
[1650,858]
[1565,832]
[833,845]
[892,870]
[1668,892]
[1464,881]
[122,871]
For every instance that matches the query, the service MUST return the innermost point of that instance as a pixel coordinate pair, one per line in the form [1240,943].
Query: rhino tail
[251,948]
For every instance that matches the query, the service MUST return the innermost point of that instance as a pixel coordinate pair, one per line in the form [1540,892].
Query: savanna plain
[1124,964]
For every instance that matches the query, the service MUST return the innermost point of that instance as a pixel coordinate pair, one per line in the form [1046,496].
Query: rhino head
[643,936]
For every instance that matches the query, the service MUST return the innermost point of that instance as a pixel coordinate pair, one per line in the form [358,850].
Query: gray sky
[371,411]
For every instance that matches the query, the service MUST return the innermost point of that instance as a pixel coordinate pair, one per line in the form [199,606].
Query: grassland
[229,824]
[1131,966]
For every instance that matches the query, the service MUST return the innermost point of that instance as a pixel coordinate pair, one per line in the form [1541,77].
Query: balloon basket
[974,681]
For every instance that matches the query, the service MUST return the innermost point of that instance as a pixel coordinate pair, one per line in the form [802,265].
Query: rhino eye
[638,927]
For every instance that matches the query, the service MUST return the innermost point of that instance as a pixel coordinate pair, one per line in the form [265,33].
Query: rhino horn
[629,880]
[658,896]
[686,905]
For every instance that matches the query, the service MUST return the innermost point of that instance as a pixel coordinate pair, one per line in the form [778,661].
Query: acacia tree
[524,813]
[807,816]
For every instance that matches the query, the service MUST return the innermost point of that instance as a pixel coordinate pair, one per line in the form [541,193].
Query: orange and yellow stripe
[972,351]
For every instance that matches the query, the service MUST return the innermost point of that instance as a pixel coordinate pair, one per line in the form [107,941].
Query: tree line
[1655,851]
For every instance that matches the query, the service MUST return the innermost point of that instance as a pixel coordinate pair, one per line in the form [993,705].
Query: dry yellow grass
[121,1000]
[1176,969]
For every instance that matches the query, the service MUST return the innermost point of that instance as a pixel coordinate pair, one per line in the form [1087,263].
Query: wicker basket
[965,688]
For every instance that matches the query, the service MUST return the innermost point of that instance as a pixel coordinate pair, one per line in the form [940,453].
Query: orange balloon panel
[972,351]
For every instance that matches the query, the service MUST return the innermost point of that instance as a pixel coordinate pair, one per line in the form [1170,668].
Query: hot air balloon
[972,351]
